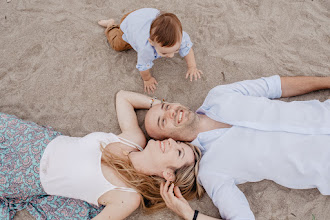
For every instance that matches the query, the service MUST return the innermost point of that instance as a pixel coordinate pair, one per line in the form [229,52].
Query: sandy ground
[57,69]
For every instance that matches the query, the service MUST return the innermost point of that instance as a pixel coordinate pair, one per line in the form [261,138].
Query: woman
[101,172]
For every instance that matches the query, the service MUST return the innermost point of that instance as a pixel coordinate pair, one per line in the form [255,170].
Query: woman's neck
[142,163]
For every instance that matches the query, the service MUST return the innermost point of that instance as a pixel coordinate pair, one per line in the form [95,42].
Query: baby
[153,35]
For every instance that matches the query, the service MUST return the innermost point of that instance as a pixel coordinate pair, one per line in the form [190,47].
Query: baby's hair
[166,30]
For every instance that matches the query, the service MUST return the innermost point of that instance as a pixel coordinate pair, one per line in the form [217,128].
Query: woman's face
[170,153]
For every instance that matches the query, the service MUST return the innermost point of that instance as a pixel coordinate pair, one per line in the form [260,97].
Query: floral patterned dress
[22,144]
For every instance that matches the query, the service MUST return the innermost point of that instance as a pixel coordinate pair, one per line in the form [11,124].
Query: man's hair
[149,186]
[166,30]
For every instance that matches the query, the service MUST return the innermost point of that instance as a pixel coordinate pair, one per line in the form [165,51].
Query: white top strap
[124,189]
[130,143]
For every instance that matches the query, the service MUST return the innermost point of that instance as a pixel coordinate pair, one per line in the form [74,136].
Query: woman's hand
[175,201]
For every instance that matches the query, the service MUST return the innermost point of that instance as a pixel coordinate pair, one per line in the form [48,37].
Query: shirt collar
[155,53]
[205,139]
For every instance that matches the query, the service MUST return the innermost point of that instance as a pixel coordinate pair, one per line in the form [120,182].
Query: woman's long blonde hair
[149,186]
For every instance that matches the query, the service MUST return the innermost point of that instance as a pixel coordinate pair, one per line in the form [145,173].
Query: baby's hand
[150,85]
[193,72]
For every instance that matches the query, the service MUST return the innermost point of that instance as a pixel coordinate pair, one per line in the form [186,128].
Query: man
[246,137]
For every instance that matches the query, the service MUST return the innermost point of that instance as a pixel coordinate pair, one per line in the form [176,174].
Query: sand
[57,69]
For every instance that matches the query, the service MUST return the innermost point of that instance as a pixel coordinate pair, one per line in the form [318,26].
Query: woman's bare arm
[126,103]
[175,201]
[121,208]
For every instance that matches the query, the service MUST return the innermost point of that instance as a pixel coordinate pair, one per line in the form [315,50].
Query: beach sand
[57,69]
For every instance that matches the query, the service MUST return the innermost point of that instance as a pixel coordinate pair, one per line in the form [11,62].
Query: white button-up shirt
[287,142]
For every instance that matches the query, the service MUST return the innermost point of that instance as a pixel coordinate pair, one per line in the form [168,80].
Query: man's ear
[151,42]
[168,174]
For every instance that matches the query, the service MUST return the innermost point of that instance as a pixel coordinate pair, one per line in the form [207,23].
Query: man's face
[170,120]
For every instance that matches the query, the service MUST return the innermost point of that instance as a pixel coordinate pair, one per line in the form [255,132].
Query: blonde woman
[100,175]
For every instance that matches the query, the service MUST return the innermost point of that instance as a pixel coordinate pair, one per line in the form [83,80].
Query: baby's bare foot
[106,23]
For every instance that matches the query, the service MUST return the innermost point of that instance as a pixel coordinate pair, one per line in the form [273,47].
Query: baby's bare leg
[106,23]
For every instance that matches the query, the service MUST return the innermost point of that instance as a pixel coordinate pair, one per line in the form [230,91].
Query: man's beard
[186,132]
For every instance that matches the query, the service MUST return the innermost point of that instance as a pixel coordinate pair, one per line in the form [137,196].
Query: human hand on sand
[150,85]
[193,72]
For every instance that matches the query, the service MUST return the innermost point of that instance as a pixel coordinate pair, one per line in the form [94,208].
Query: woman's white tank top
[71,166]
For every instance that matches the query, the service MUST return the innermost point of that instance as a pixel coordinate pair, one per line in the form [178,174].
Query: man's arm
[299,85]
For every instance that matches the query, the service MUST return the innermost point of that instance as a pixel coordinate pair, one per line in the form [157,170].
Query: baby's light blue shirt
[136,28]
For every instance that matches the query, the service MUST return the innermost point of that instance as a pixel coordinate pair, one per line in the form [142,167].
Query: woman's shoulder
[128,197]
[113,196]
[121,203]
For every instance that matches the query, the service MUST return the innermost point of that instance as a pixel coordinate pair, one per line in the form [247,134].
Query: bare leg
[106,23]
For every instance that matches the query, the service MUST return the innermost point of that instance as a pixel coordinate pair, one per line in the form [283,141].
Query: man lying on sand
[245,136]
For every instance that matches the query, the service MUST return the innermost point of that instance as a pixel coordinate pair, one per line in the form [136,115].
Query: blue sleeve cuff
[143,67]
[186,44]
[274,86]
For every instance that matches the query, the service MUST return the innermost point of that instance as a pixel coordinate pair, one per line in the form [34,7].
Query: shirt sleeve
[186,44]
[248,104]
[269,87]
[145,59]
[226,196]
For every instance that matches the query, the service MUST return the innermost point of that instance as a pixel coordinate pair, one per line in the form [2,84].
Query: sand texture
[57,69]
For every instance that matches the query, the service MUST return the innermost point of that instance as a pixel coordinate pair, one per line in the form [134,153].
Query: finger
[148,89]
[195,76]
[170,190]
[156,82]
[170,195]
[187,75]
[154,86]
[165,193]
[199,75]
[201,72]
[167,184]
[191,76]
[177,192]
[161,190]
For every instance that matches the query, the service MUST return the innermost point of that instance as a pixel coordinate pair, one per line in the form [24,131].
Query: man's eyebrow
[162,106]
[158,121]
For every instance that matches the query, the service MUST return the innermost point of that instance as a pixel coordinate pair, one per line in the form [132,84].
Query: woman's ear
[151,42]
[168,174]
